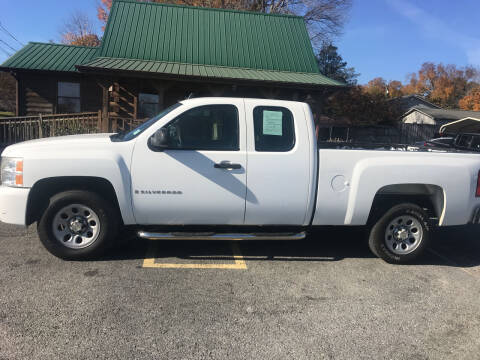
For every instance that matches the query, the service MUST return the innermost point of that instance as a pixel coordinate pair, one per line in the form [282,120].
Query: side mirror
[159,140]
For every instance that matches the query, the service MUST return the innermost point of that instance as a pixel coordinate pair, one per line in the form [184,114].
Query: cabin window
[68,97]
[148,105]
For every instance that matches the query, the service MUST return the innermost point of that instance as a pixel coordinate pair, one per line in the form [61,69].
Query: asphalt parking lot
[324,298]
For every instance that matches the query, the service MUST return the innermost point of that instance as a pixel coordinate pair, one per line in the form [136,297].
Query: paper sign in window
[272,122]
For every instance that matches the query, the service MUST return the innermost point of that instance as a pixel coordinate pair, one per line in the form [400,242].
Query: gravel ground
[324,298]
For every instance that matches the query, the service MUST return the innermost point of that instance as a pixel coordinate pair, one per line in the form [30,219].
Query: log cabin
[153,55]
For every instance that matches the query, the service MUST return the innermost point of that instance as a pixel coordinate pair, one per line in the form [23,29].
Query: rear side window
[274,129]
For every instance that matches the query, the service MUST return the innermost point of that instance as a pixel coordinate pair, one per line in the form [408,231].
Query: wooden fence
[400,134]
[16,129]
[117,124]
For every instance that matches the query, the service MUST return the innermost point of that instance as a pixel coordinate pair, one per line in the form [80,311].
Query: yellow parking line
[240,264]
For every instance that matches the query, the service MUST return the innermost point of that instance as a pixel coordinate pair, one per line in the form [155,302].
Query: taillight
[477,193]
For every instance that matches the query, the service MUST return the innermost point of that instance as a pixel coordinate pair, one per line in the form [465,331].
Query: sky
[386,38]
[392,38]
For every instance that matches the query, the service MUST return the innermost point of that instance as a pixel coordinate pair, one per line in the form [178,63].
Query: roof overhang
[204,72]
[466,125]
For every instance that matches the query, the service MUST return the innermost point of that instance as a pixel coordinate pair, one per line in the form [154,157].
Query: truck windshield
[126,136]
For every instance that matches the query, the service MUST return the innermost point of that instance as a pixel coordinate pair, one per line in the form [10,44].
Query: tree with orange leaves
[78,30]
[381,88]
[376,87]
[394,89]
[471,101]
[443,85]
[103,10]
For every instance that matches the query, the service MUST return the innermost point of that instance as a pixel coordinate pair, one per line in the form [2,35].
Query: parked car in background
[469,142]
[441,142]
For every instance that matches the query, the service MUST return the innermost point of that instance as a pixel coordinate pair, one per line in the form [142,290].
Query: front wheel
[78,224]
[401,235]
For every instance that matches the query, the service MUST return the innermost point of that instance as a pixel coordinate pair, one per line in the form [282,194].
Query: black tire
[377,240]
[108,216]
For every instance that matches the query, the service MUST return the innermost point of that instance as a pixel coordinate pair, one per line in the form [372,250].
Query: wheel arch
[428,196]
[44,189]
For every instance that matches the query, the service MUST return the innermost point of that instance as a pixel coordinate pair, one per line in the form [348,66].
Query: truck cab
[226,162]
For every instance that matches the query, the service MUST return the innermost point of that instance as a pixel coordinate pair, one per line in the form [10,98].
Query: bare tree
[79,30]
[324,18]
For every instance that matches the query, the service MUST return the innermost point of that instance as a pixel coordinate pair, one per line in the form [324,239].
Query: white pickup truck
[230,169]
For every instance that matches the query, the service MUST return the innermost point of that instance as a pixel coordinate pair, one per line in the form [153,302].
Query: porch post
[105,108]
[17,95]
[104,85]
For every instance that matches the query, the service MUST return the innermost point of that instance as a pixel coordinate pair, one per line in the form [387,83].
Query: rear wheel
[78,224]
[401,235]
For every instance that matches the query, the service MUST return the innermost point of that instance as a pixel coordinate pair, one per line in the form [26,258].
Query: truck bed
[350,177]
[385,147]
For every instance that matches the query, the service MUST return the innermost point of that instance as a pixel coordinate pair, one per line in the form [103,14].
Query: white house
[436,116]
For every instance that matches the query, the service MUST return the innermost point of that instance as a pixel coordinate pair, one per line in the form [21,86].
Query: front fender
[108,165]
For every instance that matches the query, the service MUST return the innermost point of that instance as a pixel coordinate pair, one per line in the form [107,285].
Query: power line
[5,43]
[10,34]
[5,51]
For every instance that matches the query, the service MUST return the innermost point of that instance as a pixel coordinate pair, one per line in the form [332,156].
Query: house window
[68,97]
[148,105]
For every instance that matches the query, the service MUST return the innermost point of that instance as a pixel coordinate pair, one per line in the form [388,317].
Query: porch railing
[16,129]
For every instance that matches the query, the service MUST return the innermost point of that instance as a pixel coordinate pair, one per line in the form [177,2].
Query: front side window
[68,100]
[274,129]
[210,127]
[148,105]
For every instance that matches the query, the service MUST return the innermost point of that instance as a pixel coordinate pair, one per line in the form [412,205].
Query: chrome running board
[215,236]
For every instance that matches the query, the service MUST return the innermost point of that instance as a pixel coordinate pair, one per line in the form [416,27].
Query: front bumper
[13,205]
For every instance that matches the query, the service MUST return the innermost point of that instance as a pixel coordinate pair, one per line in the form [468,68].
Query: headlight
[12,171]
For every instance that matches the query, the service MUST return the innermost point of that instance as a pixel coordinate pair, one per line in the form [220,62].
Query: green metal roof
[54,57]
[194,35]
[207,71]
[188,41]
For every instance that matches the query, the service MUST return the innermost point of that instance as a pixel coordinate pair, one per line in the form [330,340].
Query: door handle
[227,165]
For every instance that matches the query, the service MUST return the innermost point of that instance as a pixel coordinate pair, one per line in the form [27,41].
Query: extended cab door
[201,177]
[281,156]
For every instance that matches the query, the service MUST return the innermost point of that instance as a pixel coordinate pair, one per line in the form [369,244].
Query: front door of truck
[200,178]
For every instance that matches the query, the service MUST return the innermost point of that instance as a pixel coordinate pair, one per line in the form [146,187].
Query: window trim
[79,97]
[272,108]
[237,145]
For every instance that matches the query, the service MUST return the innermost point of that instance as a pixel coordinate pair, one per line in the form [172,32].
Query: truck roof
[207,99]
